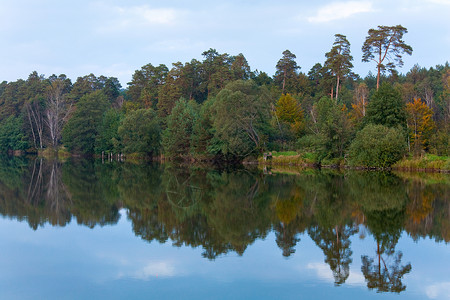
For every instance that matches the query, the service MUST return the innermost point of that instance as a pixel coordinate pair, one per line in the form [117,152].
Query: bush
[377,146]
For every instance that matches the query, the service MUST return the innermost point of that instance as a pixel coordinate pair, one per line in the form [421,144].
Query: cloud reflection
[155,269]
[324,273]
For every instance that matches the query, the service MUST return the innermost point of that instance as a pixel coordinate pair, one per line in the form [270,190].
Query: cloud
[442,2]
[341,10]
[146,15]
[132,18]
[438,291]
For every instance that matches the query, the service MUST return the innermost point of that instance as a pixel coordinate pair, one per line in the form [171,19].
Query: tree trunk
[379,69]
[337,87]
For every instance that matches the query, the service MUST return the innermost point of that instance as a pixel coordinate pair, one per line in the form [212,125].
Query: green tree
[85,85]
[145,83]
[240,68]
[176,138]
[140,132]
[330,130]
[339,60]
[315,76]
[217,71]
[286,74]
[261,78]
[203,131]
[386,108]
[80,132]
[11,134]
[240,118]
[377,146]
[383,45]
[108,136]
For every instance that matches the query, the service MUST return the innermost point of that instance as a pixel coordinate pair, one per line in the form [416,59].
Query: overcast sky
[117,37]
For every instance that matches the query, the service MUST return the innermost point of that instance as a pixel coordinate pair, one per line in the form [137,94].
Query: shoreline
[287,161]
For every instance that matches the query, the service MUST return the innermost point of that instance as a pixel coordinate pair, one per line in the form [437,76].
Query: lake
[87,229]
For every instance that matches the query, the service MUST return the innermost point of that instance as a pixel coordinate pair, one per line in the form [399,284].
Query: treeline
[218,108]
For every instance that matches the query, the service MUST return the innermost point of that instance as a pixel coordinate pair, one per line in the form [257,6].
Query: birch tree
[35,116]
[57,110]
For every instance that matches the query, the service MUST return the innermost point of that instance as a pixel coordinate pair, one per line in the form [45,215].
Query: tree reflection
[335,244]
[385,220]
[382,276]
[38,194]
[93,203]
[289,211]
[225,211]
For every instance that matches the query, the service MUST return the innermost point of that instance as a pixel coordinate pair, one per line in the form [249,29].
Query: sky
[116,37]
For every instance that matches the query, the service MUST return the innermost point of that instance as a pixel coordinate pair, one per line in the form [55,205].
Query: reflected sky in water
[111,263]
[117,259]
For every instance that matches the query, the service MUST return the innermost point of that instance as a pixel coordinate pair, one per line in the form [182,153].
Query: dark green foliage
[386,108]
[108,137]
[145,84]
[85,85]
[11,134]
[287,72]
[203,131]
[240,115]
[176,138]
[140,132]
[111,88]
[261,78]
[339,60]
[80,132]
[377,146]
[440,142]
[331,131]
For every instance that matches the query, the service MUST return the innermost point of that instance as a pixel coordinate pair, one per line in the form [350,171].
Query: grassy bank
[289,158]
[427,162]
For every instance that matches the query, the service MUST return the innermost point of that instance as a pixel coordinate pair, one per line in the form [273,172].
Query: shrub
[377,146]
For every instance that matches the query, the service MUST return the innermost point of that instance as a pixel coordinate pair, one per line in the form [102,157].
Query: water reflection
[225,211]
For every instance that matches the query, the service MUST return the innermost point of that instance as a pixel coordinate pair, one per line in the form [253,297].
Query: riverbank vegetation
[220,109]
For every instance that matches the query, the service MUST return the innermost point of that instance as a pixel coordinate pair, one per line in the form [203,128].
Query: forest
[219,109]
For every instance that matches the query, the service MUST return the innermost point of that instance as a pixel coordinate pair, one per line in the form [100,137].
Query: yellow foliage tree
[420,123]
[360,103]
[288,110]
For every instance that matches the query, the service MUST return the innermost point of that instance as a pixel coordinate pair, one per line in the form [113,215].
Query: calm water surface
[92,230]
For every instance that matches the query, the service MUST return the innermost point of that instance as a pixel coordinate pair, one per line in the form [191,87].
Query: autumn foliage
[420,124]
